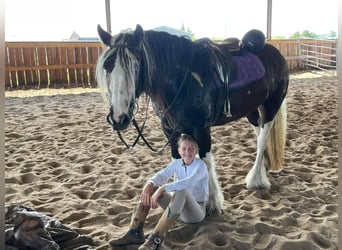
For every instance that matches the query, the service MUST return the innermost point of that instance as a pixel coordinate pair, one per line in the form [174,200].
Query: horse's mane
[212,61]
[171,52]
[166,56]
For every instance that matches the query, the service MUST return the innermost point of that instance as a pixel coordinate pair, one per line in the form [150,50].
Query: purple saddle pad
[249,69]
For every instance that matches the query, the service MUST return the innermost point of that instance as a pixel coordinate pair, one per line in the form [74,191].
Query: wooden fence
[292,50]
[51,64]
[72,64]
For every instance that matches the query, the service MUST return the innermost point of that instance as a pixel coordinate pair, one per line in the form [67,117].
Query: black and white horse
[195,85]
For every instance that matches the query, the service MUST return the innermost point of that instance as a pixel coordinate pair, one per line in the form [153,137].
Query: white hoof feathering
[216,198]
[257,179]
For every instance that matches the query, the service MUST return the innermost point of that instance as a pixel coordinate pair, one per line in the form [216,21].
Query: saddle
[248,66]
[233,66]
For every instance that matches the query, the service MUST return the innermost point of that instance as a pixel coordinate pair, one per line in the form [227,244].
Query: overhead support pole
[108,18]
[269,19]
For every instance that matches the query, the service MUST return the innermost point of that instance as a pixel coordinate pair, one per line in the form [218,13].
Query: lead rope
[110,121]
[140,134]
[164,111]
[146,142]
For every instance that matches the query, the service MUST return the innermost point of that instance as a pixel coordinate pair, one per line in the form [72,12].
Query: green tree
[332,35]
[278,37]
[305,33]
[309,34]
[295,35]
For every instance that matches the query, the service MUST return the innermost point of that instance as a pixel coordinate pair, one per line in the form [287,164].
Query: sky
[48,20]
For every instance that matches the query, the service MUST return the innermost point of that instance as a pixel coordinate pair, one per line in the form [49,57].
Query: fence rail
[318,54]
[72,64]
[51,64]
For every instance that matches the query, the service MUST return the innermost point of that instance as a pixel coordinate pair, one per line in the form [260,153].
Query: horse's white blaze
[120,83]
[121,89]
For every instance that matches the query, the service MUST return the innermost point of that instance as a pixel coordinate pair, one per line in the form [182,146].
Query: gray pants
[184,204]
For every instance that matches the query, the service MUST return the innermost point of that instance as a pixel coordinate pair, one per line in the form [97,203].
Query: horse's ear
[104,35]
[138,34]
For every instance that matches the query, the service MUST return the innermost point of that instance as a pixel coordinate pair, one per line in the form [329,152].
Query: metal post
[108,18]
[269,19]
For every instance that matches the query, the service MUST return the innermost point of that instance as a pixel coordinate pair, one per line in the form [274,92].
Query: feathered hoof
[257,181]
[213,209]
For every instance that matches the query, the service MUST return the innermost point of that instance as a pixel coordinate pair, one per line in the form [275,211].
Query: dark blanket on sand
[28,229]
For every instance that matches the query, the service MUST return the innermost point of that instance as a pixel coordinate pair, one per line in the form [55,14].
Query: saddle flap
[249,68]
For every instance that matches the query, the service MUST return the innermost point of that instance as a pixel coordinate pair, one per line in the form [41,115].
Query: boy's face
[187,151]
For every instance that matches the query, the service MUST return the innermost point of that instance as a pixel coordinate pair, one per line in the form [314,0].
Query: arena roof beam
[269,20]
[108,17]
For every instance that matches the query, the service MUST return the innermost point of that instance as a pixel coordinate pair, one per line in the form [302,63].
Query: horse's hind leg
[257,178]
[270,128]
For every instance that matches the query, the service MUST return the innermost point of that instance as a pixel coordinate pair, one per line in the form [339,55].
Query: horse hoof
[258,186]
[213,211]
[257,179]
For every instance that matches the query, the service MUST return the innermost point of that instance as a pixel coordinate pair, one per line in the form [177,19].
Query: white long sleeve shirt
[193,177]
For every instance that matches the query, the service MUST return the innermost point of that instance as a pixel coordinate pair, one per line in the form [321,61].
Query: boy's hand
[156,196]
[146,194]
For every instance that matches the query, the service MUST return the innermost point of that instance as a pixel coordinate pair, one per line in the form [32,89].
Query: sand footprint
[264,228]
[13,135]
[82,194]
[86,169]
[56,172]
[27,178]
[75,216]
[27,191]
[54,164]
[117,209]
[320,240]
[27,167]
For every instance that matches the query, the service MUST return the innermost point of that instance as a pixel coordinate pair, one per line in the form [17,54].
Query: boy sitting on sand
[185,197]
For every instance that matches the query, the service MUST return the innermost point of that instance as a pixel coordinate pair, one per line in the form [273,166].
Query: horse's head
[117,73]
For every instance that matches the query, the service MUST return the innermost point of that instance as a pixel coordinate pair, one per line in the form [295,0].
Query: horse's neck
[166,57]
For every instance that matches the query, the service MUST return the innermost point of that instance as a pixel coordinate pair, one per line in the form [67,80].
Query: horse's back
[273,60]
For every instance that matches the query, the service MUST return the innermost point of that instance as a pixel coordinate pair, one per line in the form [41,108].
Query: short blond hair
[186,137]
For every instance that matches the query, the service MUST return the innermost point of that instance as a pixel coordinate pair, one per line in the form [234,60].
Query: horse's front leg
[257,177]
[172,136]
[215,202]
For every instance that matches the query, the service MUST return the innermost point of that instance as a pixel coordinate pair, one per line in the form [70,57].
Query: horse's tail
[275,148]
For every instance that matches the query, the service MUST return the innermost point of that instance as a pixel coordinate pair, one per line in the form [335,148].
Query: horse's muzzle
[123,123]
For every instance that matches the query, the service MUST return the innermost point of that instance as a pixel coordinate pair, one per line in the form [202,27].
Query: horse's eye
[109,64]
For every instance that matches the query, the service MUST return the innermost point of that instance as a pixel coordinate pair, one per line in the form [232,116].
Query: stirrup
[156,241]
